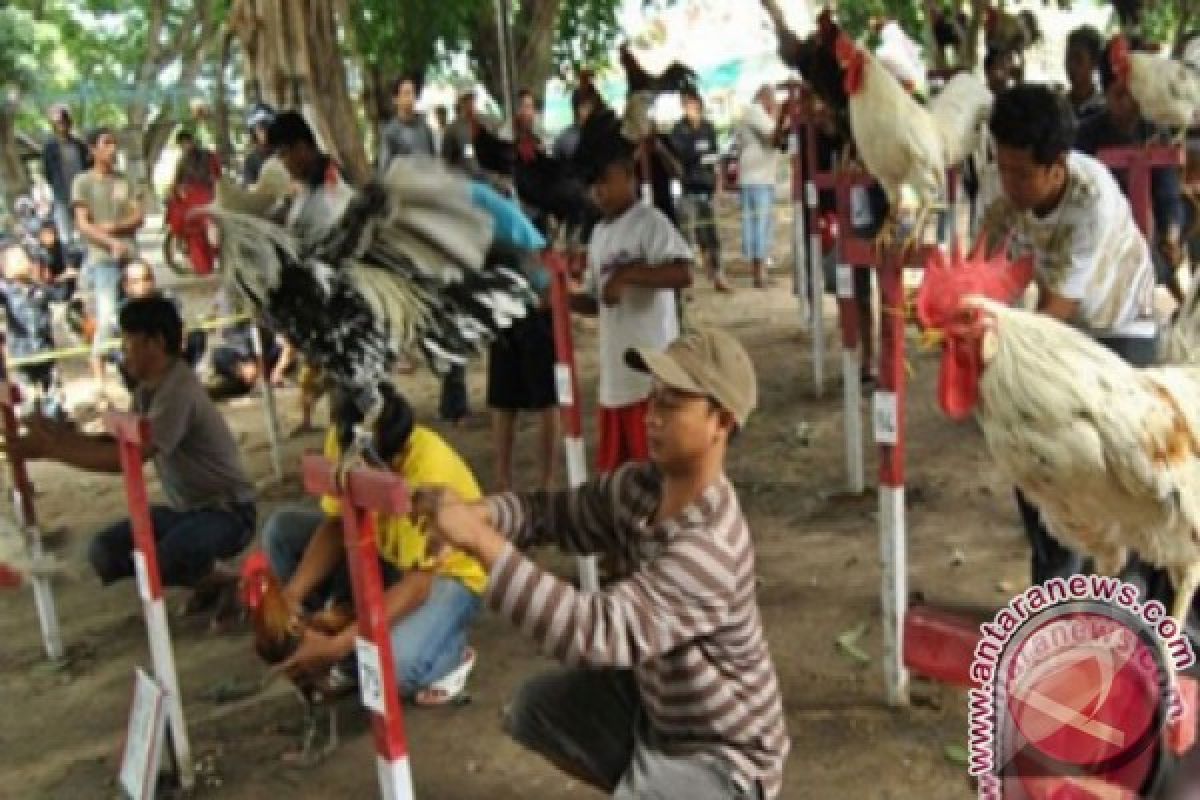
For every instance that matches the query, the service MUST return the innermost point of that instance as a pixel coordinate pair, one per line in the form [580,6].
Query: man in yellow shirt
[430,601]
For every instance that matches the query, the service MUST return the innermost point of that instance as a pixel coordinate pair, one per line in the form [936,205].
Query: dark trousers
[188,543]
[453,404]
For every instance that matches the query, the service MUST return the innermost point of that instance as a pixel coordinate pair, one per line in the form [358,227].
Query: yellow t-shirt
[427,461]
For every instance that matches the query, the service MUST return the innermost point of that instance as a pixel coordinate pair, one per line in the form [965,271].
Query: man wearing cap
[669,689]
[64,155]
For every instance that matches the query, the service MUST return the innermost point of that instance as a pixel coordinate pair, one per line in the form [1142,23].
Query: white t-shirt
[1088,249]
[758,159]
[644,317]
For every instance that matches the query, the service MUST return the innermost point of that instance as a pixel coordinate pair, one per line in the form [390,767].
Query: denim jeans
[427,643]
[758,215]
[64,222]
[104,278]
[188,543]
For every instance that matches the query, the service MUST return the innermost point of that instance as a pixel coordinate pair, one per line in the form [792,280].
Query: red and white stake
[566,379]
[851,351]
[26,517]
[132,433]
[369,492]
[806,236]
[889,416]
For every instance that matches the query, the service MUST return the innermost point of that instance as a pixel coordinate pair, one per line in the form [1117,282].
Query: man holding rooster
[1093,267]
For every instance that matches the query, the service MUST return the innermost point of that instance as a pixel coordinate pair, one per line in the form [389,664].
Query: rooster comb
[947,281]
[255,564]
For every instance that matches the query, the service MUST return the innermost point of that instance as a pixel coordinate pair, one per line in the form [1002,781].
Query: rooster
[1110,454]
[902,143]
[410,261]
[1167,91]
[815,60]
[277,635]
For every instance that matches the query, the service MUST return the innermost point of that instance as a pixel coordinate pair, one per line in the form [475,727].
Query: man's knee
[106,559]
[524,717]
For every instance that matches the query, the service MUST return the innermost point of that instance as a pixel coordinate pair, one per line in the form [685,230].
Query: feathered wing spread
[408,263]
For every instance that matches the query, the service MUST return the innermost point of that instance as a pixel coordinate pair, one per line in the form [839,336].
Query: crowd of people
[679,694]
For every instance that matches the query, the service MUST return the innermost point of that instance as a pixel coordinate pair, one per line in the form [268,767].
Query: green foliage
[26,46]
[855,17]
[415,40]
[586,32]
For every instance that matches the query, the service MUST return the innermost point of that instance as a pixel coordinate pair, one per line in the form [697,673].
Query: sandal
[450,688]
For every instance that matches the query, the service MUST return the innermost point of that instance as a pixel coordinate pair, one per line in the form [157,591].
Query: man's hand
[451,520]
[611,294]
[317,652]
[38,440]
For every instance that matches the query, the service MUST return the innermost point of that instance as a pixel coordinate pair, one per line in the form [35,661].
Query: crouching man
[669,690]
[209,514]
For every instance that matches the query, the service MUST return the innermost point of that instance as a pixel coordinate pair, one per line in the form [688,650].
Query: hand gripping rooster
[1109,453]
[408,261]
[1167,91]
[902,143]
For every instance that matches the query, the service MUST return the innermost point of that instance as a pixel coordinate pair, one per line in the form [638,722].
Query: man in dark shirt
[63,157]
[406,133]
[1120,125]
[259,120]
[694,140]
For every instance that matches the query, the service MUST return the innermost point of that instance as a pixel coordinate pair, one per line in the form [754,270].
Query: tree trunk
[293,52]
[13,173]
[221,102]
[533,28]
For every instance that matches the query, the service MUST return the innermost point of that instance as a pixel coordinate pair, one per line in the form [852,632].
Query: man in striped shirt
[669,690]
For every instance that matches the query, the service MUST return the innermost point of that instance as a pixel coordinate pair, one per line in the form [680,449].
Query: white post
[895,592]
[395,778]
[163,660]
[816,277]
[799,235]
[43,595]
[852,418]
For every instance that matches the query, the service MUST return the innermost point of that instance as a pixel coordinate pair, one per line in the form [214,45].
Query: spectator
[30,327]
[636,258]
[193,187]
[1085,52]
[1120,124]
[431,595]
[406,133]
[694,140]
[521,378]
[64,156]
[108,212]
[758,167]
[457,148]
[235,362]
[138,282]
[260,119]
[321,192]
[441,118]
[209,511]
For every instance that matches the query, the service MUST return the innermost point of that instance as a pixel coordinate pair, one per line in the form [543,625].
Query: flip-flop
[449,689]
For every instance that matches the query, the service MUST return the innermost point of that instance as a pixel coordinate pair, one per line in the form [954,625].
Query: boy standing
[108,212]
[636,259]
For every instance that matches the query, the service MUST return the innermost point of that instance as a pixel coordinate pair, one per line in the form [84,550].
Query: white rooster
[1109,453]
[902,143]
[1167,91]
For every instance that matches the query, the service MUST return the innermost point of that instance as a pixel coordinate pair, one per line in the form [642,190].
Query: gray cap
[705,361]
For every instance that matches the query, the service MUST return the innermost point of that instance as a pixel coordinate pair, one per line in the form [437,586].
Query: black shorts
[521,366]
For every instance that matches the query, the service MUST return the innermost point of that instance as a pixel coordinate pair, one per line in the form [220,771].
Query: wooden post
[26,515]
[367,493]
[1137,163]
[806,236]
[889,415]
[270,410]
[852,348]
[566,379]
[132,433]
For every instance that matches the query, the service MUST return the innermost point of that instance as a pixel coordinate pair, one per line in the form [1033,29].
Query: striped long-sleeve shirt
[683,614]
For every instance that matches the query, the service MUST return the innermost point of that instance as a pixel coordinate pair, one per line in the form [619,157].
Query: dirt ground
[61,730]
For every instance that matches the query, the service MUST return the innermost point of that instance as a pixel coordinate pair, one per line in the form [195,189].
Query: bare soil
[61,730]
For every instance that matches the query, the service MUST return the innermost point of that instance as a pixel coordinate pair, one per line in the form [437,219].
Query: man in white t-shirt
[1093,267]
[636,261]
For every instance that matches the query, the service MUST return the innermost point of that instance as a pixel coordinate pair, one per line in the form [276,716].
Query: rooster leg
[886,236]
[362,445]
[1185,580]
[916,235]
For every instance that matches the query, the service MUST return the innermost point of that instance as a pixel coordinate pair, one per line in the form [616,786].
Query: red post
[566,378]
[26,514]
[366,493]
[133,434]
[1137,163]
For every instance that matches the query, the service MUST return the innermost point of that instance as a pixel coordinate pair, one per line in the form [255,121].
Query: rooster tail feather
[401,307]
[253,252]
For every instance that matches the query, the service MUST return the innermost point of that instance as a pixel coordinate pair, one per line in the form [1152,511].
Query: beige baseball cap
[705,361]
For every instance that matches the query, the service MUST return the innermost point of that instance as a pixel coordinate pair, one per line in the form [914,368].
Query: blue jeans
[427,643]
[104,278]
[758,215]
[64,222]
[188,543]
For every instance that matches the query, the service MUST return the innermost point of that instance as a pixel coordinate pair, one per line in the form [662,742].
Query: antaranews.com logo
[1074,683]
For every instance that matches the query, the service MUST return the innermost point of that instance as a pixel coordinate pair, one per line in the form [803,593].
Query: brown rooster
[278,632]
